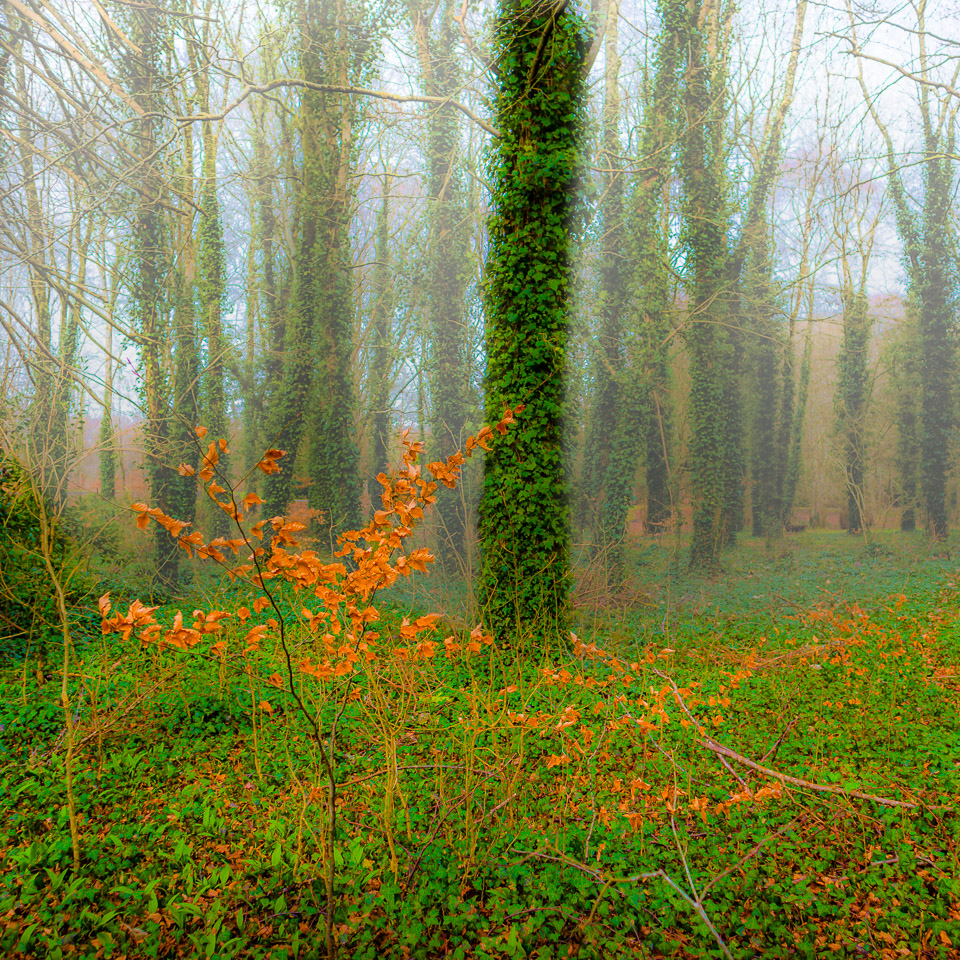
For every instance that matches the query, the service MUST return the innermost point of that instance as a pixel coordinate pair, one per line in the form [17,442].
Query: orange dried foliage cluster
[577,738]
[342,620]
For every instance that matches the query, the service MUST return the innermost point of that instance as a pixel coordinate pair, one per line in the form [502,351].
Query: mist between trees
[712,250]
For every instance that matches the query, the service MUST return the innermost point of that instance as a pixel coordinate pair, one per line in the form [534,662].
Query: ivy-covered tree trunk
[185,379]
[937,294]
[734,454]
[709,345]
[65,372]
[447,268]
[381,364]
[315,396]
[642,420]
[768,409]
[186,373]
[106,439]
[852,397]
[148,294]
[609,400]
[792,429]
[905,378]
[264,376]
[211,293]
[539,53]
[714,338]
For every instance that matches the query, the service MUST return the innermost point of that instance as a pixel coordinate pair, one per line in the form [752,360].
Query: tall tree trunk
[852,396]
[907,389]
[642,416]
[316,392]
[447,262]
[107,438]
[937,289]
[211,296]
[765,351]
[270,304]
[150,258]
[381,364]
[43,366]
[708,340]
[601,424]
[524,511]
[65,375]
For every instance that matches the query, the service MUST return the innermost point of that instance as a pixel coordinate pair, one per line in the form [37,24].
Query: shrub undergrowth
[308,771]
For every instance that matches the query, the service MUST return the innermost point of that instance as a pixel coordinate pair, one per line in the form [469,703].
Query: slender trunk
[150,255]
[211,296]
[602,422]
[708,341]
[382,310]
[643,421]
[852,395]
[316,393]
[446,268]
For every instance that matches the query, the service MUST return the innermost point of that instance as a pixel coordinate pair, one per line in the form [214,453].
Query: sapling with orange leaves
[339,620]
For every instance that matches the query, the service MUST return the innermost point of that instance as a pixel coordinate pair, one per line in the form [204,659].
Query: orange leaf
[260,603]
[212,457]
[250,500]
[185,470]
[201,432]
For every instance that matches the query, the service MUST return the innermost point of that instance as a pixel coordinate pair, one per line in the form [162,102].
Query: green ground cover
[492,803]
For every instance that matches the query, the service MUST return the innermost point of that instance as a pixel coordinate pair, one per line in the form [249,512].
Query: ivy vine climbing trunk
[937,288]
[856,216]
[270,303]
[185,380]
[315,397]
[705,224]
[447,267]
[852,397]
[381,318]
[539,51]
[211,294]
[151,260]
[642,419]
[765,351]
[904,365]
[713,336]
[609,365]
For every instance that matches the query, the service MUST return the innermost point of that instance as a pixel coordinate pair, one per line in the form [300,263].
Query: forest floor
[761,764]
